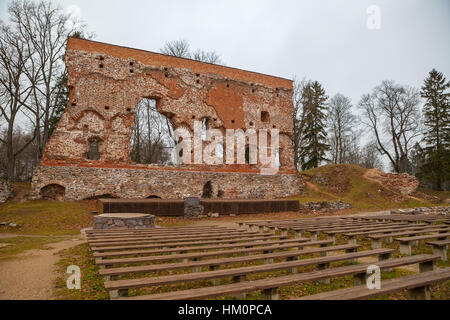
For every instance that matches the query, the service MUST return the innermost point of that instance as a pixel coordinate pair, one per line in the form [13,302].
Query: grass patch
[347,183]
[92,287]
[47,217]
[20,244]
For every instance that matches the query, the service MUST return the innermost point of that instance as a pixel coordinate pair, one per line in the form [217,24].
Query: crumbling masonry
[88,154]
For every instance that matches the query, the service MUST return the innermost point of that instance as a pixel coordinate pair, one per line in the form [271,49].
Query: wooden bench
[407,242]
[269,287]
[196,248]
[440,248]
[169,236]
[169,244]
[418,287]
[214,263]
[171,239]
[120,287]
[199,255]
[352,236]
[377,239]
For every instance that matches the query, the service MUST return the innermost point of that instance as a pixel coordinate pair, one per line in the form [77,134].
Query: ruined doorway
[207,190]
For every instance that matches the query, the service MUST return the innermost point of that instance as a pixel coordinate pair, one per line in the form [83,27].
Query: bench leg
[377,243]
[351,251]
[442,251]
[359,279]
[215,282]
[421,293]
[196,269]
[427,266]
[298,234]
[110,278]
[323,267]
[243,295]
[270,294]
[385,256]
[332,237]
[352,240]
[295,269]
[115,294]
[405,248]
[268,261]
[314,236]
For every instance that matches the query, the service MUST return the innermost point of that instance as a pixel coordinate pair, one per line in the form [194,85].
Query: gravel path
[31,275]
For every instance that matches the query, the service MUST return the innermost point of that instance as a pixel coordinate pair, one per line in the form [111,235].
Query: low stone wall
[325,206]
[5,190]
[123,221]
[423,210]
[87,182]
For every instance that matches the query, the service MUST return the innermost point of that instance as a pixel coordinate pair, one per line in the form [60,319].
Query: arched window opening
[152,138]
[207,190]
[93,152]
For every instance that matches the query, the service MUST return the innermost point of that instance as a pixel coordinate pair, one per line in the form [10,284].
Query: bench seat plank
[163,280]
[224,261]
[283,281]
[198,255]
[388,286]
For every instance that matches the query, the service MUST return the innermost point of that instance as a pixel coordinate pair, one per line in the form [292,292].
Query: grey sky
[325,40]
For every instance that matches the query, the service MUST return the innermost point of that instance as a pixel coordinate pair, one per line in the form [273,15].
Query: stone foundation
[123,221]
[141,183]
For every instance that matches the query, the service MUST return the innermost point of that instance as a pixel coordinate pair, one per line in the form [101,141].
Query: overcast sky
[326,40]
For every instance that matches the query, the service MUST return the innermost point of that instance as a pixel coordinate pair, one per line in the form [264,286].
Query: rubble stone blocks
[326,206]
[401,182]
[443,210]
[193,208]
[107,82]
[5,190]
[123,221]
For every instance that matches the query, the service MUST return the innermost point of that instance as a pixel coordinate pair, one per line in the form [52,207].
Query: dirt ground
[31,275]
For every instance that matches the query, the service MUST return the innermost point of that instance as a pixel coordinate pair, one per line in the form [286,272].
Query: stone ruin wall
[106,84]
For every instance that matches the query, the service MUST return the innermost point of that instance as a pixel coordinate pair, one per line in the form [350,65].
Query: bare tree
[209,57]
[177,48]
[15,91]
[392,113]
[340,123]
[181,48]
[152,135]
[44,28]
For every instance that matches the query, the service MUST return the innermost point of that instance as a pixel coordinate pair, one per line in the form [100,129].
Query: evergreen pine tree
[314,103]
[436,153]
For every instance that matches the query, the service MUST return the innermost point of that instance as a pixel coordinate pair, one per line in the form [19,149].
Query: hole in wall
[265,117]
[53,192]
[153,197]
[93,152]
[100,65]
[106,107]
[207,190]
[131,70]
[152,136]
